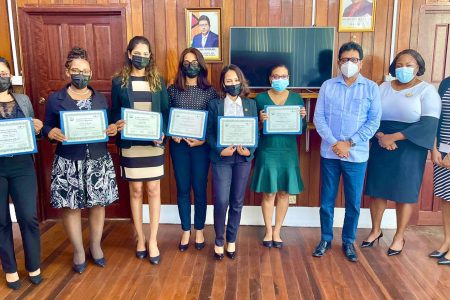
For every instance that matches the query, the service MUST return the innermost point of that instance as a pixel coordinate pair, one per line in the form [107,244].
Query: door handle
[42,100]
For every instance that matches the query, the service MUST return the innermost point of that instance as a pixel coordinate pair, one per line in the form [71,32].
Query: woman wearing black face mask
[17,172]
[139,86]
[83,175]
[230,166]
[190,157]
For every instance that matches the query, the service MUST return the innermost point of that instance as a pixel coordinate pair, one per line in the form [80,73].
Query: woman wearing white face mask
[411,110]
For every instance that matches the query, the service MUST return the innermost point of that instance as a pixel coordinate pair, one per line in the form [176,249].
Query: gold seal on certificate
[17,137]
[84,126]
[141,125]
[283,119]
[187,123]
[237,131]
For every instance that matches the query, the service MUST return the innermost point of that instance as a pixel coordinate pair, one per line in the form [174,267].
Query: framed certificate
[283,119]
[237,131]
[84,126]
[17,137]
[188,123]
[141,125]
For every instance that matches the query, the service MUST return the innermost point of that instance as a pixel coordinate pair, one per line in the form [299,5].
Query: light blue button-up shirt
[347,112]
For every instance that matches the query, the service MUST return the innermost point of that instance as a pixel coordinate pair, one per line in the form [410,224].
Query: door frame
[26,57]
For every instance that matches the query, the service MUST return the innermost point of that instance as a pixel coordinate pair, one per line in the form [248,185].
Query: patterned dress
[84,183]
[441,176]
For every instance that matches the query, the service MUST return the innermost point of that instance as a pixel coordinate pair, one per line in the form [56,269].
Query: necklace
[78,93]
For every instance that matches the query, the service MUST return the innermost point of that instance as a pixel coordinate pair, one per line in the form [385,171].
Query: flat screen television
[308,53]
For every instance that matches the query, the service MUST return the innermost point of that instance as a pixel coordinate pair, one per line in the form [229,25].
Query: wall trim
[251,215]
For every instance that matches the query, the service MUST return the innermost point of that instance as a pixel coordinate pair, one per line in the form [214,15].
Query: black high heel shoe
[101,262]
[200,246]
[392,252]
[437,254]
[443,261]
[184,247]
[278,245]
[267,244]
[154,260]
[142,254]
[79,268]
[365,244]
[218,256]
[15,285]
[36,279]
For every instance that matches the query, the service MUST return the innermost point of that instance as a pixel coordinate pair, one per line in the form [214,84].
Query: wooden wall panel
[5,44]
[163,23]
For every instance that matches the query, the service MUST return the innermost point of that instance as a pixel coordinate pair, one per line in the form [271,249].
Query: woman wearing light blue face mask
[277,170]
[410,115]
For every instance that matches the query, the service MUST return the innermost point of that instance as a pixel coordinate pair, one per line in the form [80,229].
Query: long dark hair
[151,72]
[244,90]
[6,63]
[202,78]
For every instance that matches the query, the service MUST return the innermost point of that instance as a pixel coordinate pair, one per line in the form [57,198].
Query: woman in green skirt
[277,170]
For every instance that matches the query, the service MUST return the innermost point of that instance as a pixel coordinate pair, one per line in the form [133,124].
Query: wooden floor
[257,273]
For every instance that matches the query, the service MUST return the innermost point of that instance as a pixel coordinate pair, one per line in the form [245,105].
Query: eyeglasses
[352,59]
[193,63]
[276,77]
[80,72]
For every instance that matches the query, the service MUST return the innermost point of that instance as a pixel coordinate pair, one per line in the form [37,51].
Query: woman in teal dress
[277,170]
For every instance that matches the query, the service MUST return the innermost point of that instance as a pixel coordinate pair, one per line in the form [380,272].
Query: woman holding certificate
[232,136]
[139,88]
[190,156]
[83,174]
[277,170]
[16,172]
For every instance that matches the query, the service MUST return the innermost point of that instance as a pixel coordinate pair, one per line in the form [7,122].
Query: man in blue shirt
[347,116]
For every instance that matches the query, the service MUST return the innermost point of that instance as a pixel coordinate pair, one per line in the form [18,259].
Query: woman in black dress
[411,110]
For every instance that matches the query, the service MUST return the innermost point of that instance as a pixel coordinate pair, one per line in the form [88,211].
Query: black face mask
[140,62]
[5,84]
[234,89]
[191,71]
[80,81]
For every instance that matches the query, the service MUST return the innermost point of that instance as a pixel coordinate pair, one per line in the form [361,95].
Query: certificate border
[231,117]
[122,133]
[282,132]
[61,116]
[30,122]
[187,136]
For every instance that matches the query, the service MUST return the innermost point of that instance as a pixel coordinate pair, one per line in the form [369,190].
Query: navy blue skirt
[395,175]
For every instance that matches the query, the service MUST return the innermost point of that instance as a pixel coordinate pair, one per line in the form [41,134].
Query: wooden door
[47,35]
[434,45]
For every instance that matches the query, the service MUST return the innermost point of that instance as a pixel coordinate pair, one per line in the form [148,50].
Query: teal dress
[277,162]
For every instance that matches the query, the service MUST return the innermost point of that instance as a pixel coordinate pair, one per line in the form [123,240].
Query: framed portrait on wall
[357,15]
[203,31]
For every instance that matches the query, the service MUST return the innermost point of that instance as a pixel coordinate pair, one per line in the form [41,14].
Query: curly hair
[151,73]
[76,53]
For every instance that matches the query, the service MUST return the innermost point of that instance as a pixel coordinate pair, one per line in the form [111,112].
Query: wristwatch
[352,143]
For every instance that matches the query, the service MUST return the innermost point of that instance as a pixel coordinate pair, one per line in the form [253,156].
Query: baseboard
[251,215]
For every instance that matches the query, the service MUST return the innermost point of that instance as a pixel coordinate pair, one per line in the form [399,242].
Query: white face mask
[349,69]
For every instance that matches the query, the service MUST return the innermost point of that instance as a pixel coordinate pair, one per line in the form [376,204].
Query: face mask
[404,74]
[80,81]
[349,69]
[280,85]
[5,83]
[191,71]
[140,62]
[233,90]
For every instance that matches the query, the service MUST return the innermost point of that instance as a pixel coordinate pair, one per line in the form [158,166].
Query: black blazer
[216,108]
[120,97]
[61,101]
